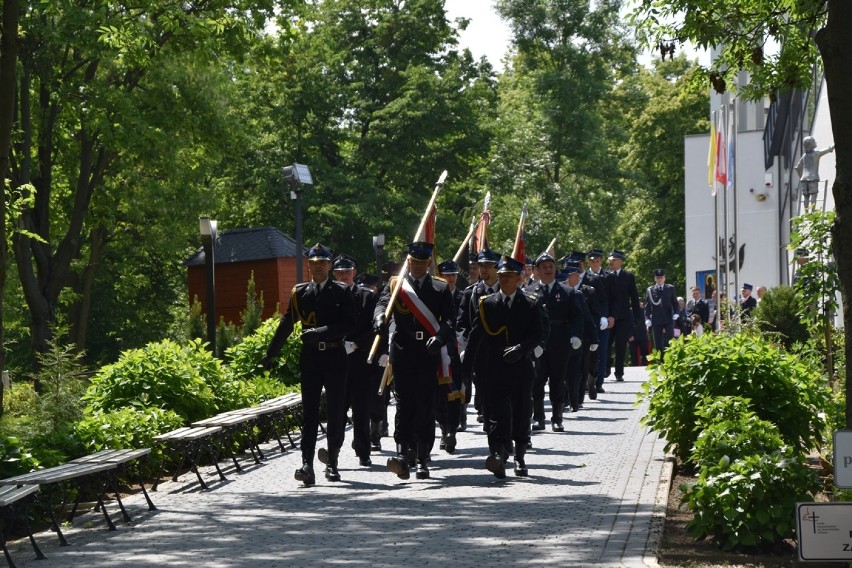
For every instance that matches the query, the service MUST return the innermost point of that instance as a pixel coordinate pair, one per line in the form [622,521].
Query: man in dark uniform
[698,305]
[486,260]
[661,310]
[564,320]
[508,328]
[599,278]
[449,271]
[361,381]
[624,311]
[327,313]
[579,371]
[423,314]
[747,302]
[378,404]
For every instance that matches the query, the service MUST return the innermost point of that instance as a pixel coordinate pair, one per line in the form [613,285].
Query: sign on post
[825,531]
[843,459]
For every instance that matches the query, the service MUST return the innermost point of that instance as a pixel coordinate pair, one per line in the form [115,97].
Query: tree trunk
[835,45]
[80,311]
[8,65]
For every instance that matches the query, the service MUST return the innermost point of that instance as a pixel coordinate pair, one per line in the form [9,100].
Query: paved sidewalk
[595,497]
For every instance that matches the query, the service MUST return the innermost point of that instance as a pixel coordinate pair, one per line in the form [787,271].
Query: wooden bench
[191,443]
[62,475]
[12,498]
[121,459]
[233,424]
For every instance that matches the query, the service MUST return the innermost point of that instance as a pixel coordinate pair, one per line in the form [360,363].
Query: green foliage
[784,389]
[127,427]
[227,335]
[816,281]
[15,459]
[61,378]
[187,380]
[250,316]
[245,358]
[778,312]
[750,502]
[729,430]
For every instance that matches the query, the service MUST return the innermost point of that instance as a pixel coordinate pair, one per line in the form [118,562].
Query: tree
[808,33]
[80,65]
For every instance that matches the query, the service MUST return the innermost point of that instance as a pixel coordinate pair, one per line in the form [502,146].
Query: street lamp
[298,175]
[378,247]
[207,227]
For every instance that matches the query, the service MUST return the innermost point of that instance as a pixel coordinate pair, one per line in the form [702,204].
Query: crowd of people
[518,331]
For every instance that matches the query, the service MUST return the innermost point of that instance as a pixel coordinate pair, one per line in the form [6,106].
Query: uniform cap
[319,252]
[543,257]
[577,256]
[617,254]
[449,266]
[420,250]
[487,255]
[748,287]
[659,272]
[509,264]
[595,253]
[343,262]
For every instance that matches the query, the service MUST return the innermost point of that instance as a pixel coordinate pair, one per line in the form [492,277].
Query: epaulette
[531,295]
[299,286]
[439,279]
[339,283]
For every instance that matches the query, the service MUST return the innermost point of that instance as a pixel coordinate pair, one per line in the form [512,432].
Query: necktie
[417,285]
[507,301]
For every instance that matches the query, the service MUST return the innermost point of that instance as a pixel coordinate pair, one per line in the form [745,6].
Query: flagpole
[404,270]
[711,166]
[466,240]
[732,177]
[516,250]
[551,248]
[723,155]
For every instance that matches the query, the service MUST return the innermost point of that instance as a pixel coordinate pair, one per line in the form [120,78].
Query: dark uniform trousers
[363,378]
[508,385]
[624,307]
[660,307]
[590,336]
[415,371]
[322,362]
[564,318]
[467,315]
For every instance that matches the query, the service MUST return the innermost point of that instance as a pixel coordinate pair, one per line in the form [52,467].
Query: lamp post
[378,247]
[298,175]
[207,228]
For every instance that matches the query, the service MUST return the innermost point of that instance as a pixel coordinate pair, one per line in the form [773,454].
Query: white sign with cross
[825,531]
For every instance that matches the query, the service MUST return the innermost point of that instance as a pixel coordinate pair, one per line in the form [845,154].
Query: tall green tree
[808,33]
[80,66]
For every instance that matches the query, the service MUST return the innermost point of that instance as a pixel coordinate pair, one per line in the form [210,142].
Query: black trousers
[662,334]
[415,383]
[323,369]
[621,333]
[573,376]
[552,369]
[509,400]
[359,388]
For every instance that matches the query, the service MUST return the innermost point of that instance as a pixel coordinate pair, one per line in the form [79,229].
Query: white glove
[349,346]
[538,351]
[674,317]
[593,347]
[604,324]
[383,360]
[647,323]
[576,342]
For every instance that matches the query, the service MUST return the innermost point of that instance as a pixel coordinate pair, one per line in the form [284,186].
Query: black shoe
[521,468]
[619,379]
[593,392]
[557,427]
[600,389]
[538,425]
[366,462]
[480,418]
[462,421]
[450,444]
[331,473]
[305,474]
[442,445]
[399,466]
[495,464]
[529,445]
[422,472]
[376,445]
[322,455]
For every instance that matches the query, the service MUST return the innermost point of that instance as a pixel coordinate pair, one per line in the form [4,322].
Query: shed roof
[241,245]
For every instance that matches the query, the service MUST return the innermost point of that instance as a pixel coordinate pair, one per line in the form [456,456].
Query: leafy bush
[778,311]
[784,389]
[15,459]
[729,430]
[245,358]
[163,375]
[750,502]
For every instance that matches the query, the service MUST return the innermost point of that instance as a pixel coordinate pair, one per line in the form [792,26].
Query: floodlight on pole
[298,175]
[208,229]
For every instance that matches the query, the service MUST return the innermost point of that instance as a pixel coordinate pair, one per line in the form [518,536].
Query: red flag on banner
[721,153]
